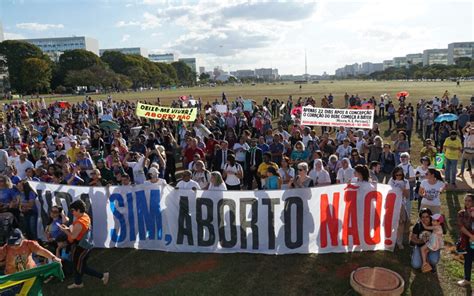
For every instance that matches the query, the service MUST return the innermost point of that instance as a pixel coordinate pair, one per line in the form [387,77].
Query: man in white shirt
[14,131]
[187,183]
[23,165]
[344,150]
[307,136]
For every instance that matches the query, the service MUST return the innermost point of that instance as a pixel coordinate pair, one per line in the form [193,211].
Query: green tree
[35,75]
[204,77]
[185,74]
[15,53]
[84,77]
[78,59]
[463,62]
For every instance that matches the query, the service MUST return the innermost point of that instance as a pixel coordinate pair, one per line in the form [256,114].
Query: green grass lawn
[135,272]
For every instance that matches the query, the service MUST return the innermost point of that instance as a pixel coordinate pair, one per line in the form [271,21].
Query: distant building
[243,73]
[400,62]
[414,58]
[190,62]
[435,56]
[387,64]
[162,58]
[458,50]
[368,68]
[267,73]
[202,70]
[128,50]
[62,44]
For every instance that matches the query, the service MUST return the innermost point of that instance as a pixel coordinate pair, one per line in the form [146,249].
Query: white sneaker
[105,278]
[74,286]
[464,283]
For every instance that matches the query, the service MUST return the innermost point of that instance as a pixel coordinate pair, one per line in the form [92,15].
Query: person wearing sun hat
[17,253]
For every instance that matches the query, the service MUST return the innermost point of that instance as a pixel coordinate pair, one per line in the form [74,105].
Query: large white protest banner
[337,218]
[357,118]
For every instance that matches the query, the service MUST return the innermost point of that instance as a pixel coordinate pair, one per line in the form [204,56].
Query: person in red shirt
[210,145]
[191,151]
[17,253]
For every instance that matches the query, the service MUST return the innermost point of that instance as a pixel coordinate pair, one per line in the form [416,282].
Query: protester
[465,222]
[430,191]
[217,183]
[302,180]
[187,183]
[232,173]
[286,173]
[18,253]
[319,175]
[418,238]
[452,148]
[398,181]
[77,235]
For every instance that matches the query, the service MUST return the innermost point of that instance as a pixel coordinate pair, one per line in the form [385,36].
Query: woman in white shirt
[137,164]
[430,191]
[399,182]
[201,175]
[232,173]
[319,175]
[217,183]
[286,173]
[153,174]
[345,173]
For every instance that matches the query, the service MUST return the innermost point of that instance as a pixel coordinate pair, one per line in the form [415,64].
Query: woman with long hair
[29,213]
[361,172]
[431,189]
[399,182]
[201,175]
[286,172]
[273,180]
[216,183]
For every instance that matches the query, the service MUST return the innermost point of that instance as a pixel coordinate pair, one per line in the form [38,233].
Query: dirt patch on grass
[150,281]
[345,270]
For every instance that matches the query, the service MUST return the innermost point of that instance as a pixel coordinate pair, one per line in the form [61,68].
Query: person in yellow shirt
[428,150]
[263,167]
[452,152]
[73,151]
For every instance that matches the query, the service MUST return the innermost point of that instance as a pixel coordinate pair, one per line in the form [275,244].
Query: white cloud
[149,21]
[125,38]
[38,26]
[121,24]
[13,36]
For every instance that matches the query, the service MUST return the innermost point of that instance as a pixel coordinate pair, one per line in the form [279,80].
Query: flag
[29,282]
[439,161]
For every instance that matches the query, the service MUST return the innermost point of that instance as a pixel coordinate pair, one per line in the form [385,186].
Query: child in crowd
[435,242]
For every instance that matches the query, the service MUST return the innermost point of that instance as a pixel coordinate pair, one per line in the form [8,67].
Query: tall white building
[387,64]
[459,50]
[162,58]
[62,44]
[128,50]
[414,58]
[435,56]
[400,62]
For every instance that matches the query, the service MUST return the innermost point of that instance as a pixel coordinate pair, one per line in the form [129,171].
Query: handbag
[86,241]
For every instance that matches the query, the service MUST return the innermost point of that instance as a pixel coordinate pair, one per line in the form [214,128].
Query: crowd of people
[94,144]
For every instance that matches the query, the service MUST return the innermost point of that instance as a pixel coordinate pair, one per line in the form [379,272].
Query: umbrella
[296,111]
[109,125]
[64,105]
[403,94]
[446,117]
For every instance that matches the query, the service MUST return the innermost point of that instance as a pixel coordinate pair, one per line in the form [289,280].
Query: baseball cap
[437,217]
[153,172]
[15,237]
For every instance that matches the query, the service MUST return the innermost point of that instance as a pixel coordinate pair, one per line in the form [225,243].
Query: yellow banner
[166,113]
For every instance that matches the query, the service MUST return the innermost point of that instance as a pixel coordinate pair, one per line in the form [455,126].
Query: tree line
[462,68]
[31,71]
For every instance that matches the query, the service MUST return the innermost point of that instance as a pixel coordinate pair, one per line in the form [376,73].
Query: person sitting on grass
[435,242]
[464,240]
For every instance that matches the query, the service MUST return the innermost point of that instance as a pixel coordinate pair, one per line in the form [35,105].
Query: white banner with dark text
[356,118]
[337,218]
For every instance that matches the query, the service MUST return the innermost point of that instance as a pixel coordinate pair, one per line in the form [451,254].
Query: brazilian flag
[29,282]
[439,161]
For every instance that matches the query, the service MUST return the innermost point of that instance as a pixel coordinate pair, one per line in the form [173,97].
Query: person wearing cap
[429,150]
[186,182]
[17,253]
[153,177]
[452,148]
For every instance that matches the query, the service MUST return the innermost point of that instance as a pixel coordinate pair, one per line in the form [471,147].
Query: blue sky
[247,35]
